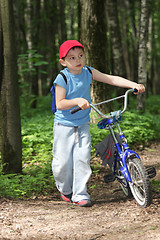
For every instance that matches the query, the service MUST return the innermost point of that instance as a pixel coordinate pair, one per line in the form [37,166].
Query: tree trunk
[142,54]
[125,42]
[116,43]
[94,39]
[35,39]
[52,15]
[79,18]
[156,47]
[115,38]
[62,22]
[130,9]
[70,19]
[10,126]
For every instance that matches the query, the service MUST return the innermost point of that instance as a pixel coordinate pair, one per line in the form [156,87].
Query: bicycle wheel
[140,187]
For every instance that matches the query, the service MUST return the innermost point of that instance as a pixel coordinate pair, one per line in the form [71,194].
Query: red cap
[67,45]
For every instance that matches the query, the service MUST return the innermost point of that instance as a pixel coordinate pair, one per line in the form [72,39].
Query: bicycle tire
[140,188]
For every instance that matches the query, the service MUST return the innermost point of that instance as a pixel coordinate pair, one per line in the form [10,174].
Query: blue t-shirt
[78,86]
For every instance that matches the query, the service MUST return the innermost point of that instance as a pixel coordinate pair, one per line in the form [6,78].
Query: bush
[36,180]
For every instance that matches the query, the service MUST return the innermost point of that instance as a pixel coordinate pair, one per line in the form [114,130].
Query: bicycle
[127,167]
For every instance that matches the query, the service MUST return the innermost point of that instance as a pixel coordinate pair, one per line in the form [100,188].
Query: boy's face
[74,60]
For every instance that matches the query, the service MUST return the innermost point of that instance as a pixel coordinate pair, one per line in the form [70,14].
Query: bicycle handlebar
[125,96]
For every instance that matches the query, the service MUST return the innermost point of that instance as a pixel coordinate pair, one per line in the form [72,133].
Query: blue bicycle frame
[127,167]
[123,151]
[123,156]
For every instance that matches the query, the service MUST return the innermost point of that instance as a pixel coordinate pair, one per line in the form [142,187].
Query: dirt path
[111,217]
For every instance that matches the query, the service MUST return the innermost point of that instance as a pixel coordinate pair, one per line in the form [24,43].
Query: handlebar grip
[76,109]
[135,90]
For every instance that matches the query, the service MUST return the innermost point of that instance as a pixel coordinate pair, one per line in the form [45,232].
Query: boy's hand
[140,88]
[82,103]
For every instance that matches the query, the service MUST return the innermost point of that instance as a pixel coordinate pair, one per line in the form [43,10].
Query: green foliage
[44,105]
[138,128]
[153,104]
[155,185]
[29,64]
[37,138]
[37,180]
[29,61]
[96,168]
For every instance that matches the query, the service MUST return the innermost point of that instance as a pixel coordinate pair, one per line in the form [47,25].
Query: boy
[72,141]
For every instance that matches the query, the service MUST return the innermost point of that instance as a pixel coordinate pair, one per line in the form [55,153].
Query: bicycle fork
[123,153]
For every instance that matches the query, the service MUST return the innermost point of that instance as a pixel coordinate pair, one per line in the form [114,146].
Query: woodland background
[120,37]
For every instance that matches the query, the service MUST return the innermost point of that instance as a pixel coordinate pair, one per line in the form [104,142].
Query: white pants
[71,160]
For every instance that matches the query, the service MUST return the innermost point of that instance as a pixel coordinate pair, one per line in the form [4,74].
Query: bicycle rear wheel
[140,186]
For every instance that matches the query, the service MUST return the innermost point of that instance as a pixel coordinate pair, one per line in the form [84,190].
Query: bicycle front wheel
[140,186]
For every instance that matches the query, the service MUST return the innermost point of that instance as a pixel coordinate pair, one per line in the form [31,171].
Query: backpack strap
[89,70]
[64,77]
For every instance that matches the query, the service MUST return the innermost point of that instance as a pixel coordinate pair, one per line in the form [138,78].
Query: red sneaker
[83,203]
[66,198]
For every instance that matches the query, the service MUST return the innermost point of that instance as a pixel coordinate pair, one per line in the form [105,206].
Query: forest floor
[112,216]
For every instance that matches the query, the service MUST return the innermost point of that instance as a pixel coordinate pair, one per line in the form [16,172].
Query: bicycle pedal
[109,178]
[151,171]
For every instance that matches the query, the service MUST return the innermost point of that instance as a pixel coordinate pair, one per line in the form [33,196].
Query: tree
[116,43]
[10,125]
[33,9]
[115,39]
[153,84]
[142,53]
[44,25]
[94,39]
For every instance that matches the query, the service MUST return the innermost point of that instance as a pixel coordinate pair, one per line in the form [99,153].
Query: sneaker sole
[88,204]
[66,199]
